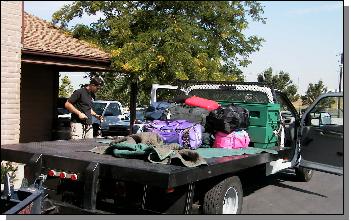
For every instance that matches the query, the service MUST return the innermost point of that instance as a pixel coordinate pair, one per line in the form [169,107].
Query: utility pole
[341,64]
[340,80]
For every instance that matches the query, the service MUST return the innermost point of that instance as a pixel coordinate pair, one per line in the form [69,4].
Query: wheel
[226,197]
[303,174]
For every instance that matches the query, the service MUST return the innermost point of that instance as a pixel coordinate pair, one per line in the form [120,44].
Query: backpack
[186,134]
[234,140]
[227,119]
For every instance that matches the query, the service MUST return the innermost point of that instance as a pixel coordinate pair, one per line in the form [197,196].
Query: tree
[313,91]
[115,86]
[162,41]
[280,81]
[65,88]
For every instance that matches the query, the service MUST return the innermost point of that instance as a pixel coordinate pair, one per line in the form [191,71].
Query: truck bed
[74,155]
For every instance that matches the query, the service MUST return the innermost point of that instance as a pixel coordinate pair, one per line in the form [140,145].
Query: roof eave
[61,55]
[66,62]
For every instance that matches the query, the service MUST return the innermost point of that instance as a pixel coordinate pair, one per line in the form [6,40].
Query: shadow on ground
[255,180]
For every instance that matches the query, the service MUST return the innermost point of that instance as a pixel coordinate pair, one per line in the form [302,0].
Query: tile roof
[42,36]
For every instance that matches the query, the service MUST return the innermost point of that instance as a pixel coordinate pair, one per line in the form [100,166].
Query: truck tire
[226,197]
[303,174]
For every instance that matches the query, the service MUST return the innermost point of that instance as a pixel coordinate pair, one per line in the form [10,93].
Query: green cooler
[264,119]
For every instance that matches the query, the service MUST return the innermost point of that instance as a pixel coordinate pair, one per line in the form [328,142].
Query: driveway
[282,194]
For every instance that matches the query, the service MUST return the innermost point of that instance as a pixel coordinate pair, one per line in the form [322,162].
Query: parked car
[287,117]
[111,112]
[114,126]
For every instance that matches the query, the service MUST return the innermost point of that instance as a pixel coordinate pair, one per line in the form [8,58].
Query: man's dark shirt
[83,101]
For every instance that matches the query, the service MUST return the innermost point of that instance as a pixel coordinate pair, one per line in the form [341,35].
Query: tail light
[52,173]
[63,175]
[74,177]
[170,190]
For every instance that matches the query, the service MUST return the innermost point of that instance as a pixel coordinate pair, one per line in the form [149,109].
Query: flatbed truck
[78,181]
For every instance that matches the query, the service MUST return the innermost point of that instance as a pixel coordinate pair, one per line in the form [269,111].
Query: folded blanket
[222,152]
[185,157]
[150,145]
[125,149]
[148,138]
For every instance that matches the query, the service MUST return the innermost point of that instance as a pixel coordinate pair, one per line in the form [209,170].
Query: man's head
[95,84]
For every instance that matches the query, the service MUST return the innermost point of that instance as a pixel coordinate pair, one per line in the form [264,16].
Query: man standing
[80,105]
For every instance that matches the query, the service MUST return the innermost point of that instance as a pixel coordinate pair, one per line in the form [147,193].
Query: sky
[303,38]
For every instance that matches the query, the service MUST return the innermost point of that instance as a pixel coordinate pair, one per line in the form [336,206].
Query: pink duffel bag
[234,140]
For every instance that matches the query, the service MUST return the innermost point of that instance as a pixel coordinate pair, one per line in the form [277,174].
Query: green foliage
[116,87]
[280,81]
[161,41]
[326,104]
[313,91]
[8,167]
[65,88]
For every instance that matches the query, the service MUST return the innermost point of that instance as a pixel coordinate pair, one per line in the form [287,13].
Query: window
[328,111]
[99,108]
[113,110]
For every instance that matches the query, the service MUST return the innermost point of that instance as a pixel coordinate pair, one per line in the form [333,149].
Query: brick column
[11,33]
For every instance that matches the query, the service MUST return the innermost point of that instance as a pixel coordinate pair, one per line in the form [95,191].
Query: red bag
[202,102]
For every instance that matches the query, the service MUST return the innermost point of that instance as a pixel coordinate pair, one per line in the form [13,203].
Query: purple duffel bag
[186,134]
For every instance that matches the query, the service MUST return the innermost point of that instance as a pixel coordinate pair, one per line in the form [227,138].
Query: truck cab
[321,135]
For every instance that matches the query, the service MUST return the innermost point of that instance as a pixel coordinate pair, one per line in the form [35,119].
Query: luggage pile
[229,124]
[190,123]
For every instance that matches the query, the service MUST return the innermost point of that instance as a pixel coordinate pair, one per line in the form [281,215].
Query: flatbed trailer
[162,188]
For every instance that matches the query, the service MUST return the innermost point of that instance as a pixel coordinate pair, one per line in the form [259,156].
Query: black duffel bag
[192,114]
[227,119]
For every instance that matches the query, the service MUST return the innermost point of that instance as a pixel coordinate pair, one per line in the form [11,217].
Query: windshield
[140,115]
[113,110]
[99,107]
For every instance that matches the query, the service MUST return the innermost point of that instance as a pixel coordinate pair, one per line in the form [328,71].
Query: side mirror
[324,119]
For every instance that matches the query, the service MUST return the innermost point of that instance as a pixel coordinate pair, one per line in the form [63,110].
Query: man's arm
[74,110]
[99,117]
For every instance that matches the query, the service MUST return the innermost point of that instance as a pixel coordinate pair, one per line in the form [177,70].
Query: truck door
[322,134]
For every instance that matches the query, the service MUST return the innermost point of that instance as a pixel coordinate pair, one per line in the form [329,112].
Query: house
[33,52]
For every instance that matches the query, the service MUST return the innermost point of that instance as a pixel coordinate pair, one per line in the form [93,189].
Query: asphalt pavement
[281,193]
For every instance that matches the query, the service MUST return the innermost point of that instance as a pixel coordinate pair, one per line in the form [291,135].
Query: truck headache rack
[188,86]
[254,92]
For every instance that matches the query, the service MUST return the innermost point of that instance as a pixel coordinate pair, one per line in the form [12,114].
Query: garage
[46,52]
[30,84]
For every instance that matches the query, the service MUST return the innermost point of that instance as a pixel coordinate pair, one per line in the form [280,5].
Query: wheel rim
[231,201]
[309,172]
